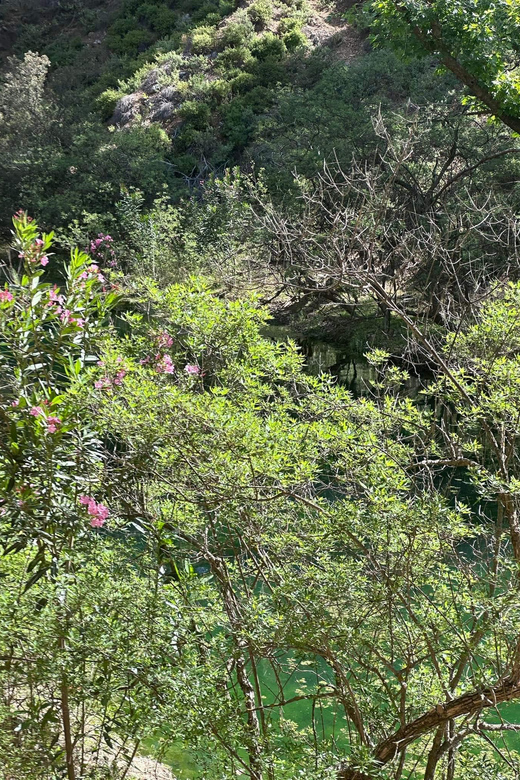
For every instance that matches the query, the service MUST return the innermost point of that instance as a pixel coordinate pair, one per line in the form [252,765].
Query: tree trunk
[65,719]
[434,42]
[467,704]
[254,748]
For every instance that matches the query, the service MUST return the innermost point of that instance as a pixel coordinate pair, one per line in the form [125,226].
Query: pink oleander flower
[38,242]
[164,364]
[52,424]
[93,269]
[79,322]
[44,260]
[102,512]
[5,296]
[97,522]
[15,402]
[119,377]
[65,316]
[103,384]
[97,512]
[164,340]
[192,370]
[36,411]
[54,296]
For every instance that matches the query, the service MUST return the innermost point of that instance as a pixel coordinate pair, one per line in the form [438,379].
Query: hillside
[254,85]
[259,390]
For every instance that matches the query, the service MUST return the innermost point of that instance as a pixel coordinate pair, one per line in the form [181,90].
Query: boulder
[127,108]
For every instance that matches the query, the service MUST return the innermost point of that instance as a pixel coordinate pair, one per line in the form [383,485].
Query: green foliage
[233,58]
[478,41]
[294,39]
[268,46]
[266,537]
[196,114]
[107,102]
[238,32]
[109,611]
[260,12]
[205,549]
[239,120]
[48,335]
[203,39]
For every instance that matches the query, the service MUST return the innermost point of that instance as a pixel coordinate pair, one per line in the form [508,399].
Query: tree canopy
[477,40]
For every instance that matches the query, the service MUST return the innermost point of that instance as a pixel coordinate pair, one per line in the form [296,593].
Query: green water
[297,679]
[184,763]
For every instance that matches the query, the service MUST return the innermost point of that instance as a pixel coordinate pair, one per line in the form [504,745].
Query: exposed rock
[169,94]
[95,38]
[127,108]
[162,112]
[150,83]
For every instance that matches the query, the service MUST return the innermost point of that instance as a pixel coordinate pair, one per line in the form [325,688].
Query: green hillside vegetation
[259,390]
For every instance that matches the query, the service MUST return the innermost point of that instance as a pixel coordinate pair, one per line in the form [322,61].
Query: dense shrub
[260,12]
[203,39]
[238,32]
[294,39]
[268,47]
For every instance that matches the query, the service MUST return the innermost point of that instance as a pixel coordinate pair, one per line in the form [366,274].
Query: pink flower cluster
[51,422]
[6,296]
[66,316]
[163,361]
[97,512]
[35,253]
[67,319]
[21,215]
[54,297]
[164,340]
[105,383]
[164,364]
[101,248]
[93,270]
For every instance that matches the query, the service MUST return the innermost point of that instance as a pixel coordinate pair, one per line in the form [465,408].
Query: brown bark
[479,91]
[233,612]
[511,512]
[467,704]
[67,730]
[434,754]
[433,41]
